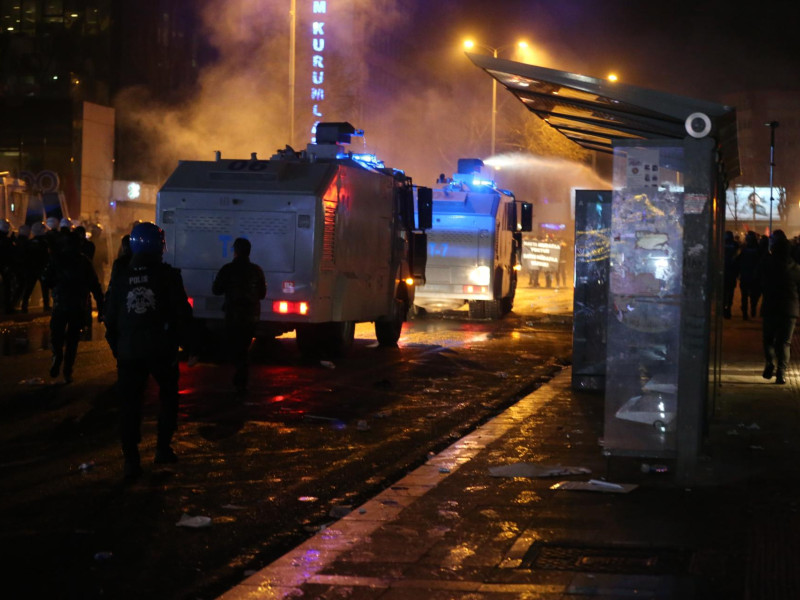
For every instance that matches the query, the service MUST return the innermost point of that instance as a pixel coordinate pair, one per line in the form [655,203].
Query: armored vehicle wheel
[388,330]
[507,303]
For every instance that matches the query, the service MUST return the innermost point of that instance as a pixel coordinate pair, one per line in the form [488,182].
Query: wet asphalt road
[267,470]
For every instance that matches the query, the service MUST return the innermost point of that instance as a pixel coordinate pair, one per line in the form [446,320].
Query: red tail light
[285,307]
[475,289]
[191,301]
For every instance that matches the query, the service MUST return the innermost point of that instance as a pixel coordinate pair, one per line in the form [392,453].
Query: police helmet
[147,238]
[52,222]
[38,229]
[65,223]
[5,226]
[24,231]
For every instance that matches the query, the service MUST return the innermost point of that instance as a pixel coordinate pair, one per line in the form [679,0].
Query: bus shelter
[673,158]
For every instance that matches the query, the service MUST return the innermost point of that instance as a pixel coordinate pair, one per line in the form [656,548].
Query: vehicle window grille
[210,223]
[267,225]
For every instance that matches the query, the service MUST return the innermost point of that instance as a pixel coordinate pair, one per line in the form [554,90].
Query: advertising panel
[644,304]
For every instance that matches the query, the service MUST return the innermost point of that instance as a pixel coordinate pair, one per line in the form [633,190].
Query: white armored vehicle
[473,245]
[334,234]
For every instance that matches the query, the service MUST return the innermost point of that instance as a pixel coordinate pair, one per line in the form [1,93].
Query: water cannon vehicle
[474,245]
[334,233]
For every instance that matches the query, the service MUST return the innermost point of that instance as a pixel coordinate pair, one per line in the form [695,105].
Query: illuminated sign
[752,203]
[319,10]
[134,190]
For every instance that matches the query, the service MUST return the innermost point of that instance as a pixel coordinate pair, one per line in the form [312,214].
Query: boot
[780,379]
[769,368]
[55,365]
[133,467]
[164,453]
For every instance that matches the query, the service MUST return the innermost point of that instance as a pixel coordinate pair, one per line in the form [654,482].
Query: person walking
[780,280]
[7,251]
[243,284]
[35,258]
[731,250]
[148,317]
[87,248]
[71,277]
[19,266]
[747,262]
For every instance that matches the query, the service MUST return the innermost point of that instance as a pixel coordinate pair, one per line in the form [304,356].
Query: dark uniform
[729,273]
[36,255]
[147,317]
[244,286]
[747,262]
[780,278]
[6,266]
[71,277]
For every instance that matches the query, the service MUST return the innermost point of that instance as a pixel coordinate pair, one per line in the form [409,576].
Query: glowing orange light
[409,281]
[286,307]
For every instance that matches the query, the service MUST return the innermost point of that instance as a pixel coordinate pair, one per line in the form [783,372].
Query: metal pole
[772,125]
[494,106]
[292,44]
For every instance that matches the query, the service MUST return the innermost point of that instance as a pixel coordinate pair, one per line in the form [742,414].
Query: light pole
[292,49]
[772,125]
[468,45]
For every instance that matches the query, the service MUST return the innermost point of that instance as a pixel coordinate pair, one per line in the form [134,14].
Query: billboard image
[751,203]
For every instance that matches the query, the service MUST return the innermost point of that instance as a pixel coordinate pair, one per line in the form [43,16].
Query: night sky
[425,103]
[704,49]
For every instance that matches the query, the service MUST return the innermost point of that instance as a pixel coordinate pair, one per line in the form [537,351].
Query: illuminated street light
[612,77]
[469,45]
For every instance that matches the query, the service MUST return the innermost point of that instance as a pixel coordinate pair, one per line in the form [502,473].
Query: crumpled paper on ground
[194,522]
[595,485]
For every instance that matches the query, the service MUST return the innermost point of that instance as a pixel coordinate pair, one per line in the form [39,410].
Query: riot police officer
[8,282]
[72,278]
[147,317]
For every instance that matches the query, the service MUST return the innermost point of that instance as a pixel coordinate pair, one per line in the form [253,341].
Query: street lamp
[772,125]
[469,45]
[292,67]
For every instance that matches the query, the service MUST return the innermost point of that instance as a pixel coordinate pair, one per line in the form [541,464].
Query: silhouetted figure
[729,274]
[35,258]
[746,267]
[780,280]
[244,286]
[7,266]
[72,279]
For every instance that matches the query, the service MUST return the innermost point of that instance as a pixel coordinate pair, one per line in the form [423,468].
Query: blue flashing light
[369,161]
[486,182]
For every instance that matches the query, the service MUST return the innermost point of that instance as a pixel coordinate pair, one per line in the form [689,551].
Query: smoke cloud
[395,68]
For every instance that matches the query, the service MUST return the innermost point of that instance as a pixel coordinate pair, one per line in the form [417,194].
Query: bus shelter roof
[595,113]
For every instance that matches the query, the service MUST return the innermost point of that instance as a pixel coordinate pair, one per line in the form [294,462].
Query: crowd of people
[767,270]
[25,253]
[146,313]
